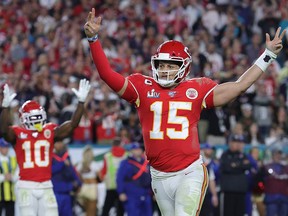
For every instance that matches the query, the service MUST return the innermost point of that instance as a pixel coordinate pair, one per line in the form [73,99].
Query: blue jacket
[64,178]
[131,179]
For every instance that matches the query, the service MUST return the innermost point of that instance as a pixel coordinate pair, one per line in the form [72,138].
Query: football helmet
[32,116]
[174,52]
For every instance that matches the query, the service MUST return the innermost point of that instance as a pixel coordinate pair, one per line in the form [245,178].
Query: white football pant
[181,193]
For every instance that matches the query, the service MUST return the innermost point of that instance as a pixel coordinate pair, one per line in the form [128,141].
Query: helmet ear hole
[156,64]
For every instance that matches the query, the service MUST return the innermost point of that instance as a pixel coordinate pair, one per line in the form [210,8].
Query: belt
[89,181]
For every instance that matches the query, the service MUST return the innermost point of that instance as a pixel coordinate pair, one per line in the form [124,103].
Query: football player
[169,107]
[33,142]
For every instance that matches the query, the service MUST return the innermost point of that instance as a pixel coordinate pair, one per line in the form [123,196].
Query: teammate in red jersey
[33,142]
[169,107]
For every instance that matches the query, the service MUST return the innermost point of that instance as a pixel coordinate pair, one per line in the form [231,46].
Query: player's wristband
[265,59]
[93,39]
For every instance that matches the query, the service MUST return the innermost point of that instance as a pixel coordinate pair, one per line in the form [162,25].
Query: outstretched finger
[93,14]
[267,37]
[277,32]
[282,34]
[98,20]
[89,16]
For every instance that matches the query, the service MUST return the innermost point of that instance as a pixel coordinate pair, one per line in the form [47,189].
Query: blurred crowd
[44,53]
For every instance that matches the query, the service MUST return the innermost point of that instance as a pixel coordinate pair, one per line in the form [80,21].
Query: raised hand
[82,92]
[7,96]
[92,26]
[275,45]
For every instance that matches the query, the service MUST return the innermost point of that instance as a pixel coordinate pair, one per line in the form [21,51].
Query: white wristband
[265,59]
[93,39]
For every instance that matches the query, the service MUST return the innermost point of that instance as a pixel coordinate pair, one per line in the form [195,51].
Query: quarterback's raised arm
[113,79]
[5,115]
[228,91]
[65,129]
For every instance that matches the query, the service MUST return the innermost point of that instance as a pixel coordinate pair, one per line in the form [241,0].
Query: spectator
[281,119]
[258,185]
[262,112]
[254,137]
[211,202]
[83,133]
[246,117]
[105,119]
[66,181]
[88,170]
[134,183]
[8,176]
[218,126]
[253,49]
[233,165]
[275,136]
[112,160]
[275,185]
[251,174]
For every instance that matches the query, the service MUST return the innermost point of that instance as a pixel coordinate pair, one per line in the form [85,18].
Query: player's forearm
[77,115]
[248,78]
[6,131]
[66,129]
[5,120]
[113,79]
[257,69]
[212,187]
[226,92]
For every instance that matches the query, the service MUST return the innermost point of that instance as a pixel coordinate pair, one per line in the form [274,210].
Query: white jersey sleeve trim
[137,101]
[204,102]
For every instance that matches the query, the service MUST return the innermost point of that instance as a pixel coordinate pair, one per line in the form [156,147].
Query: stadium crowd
[44,53]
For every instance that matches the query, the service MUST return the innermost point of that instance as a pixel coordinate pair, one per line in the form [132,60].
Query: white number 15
[173,118]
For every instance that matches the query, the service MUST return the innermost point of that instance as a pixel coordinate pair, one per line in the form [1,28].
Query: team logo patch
[47,133]
[191,93]
[267,58]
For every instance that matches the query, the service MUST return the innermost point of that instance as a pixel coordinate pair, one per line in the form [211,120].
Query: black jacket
[233,166]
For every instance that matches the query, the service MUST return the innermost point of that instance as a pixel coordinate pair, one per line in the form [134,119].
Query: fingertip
[267,37]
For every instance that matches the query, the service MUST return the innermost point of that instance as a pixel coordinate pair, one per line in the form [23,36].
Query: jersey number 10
[39,145]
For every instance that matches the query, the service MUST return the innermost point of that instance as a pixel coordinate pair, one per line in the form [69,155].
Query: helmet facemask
[169,81]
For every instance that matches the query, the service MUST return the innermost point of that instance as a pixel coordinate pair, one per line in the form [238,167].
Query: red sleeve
[113,79]
[209,85]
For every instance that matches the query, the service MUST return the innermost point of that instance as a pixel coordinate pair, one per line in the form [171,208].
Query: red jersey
[169,119]
[34,152]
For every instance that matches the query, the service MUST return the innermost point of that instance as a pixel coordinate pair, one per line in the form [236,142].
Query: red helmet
[32,115]
[175,52]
